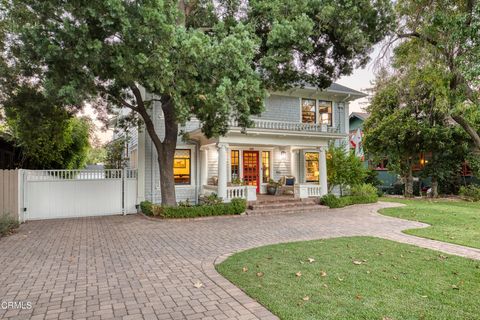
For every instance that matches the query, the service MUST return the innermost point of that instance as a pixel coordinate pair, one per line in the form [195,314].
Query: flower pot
[271,190]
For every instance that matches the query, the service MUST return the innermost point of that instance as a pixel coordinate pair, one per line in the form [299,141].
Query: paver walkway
[134,268]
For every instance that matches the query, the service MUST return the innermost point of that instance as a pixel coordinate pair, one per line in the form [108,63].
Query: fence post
[124,190]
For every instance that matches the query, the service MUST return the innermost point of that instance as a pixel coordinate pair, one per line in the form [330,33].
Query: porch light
[283,155]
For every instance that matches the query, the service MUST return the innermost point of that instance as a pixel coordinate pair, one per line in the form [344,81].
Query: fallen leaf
[395,277]
[386,318]
[198,284]
[244,269]
[325,285]
[424,296]
[306,298]
[441,256]
[340,279]
[301,262]
[311,260]
[455,287]
[323,273]
[356,262]
[260,274]
[358,297]
[298,274]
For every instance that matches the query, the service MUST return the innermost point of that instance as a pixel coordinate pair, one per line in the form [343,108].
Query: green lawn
[357,278]
[451,221]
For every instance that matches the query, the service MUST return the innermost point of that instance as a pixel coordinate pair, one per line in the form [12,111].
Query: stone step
[287,210]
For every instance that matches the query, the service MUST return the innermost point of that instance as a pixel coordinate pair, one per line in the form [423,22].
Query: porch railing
[244,192]
[307,191]
[289,126]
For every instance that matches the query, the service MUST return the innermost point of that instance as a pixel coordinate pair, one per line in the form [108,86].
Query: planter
[271,190]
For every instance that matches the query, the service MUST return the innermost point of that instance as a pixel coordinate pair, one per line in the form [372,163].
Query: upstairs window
[308,111]
[325,112]
[182,167]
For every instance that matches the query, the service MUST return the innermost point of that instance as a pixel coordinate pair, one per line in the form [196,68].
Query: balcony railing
[290,126]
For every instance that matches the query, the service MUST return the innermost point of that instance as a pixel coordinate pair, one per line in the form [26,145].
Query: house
[289,139]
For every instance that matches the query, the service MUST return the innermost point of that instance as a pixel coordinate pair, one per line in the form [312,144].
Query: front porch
[245,171]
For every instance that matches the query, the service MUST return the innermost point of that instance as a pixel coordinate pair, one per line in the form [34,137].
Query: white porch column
[222,170]
[203,168]
[323,171]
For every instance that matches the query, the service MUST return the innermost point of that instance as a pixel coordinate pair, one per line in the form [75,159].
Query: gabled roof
[360,115]
[336,88]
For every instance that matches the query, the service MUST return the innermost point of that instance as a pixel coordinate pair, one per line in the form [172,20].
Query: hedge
[332,201]
[236,206]
[146,207]
[470,193]
[360,194]
[7,224]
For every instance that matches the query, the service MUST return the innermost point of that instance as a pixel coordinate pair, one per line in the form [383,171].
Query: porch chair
[286,185]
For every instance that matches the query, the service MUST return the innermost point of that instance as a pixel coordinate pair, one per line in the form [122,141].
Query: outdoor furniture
[286,185]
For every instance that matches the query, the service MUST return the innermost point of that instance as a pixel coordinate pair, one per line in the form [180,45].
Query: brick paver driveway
[131,267]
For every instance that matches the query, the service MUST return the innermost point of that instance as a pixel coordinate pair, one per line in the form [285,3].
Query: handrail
[290,126]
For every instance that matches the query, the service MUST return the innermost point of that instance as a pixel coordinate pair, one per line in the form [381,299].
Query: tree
[449,30]
[343,169]
[46,133]
[211,59]
[115,157]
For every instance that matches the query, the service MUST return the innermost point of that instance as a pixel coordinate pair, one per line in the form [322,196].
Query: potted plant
[272,187]
[237,182]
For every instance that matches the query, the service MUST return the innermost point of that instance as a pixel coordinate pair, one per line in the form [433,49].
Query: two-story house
[288,139]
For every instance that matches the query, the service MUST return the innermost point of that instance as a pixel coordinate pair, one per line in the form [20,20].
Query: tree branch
[417,35]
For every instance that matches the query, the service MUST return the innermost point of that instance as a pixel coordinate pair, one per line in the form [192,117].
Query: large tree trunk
[469,129]
[434,193]
[408,193]
[166,148]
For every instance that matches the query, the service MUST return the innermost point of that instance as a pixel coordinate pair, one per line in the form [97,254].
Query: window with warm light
[325,112]
[309,111]
[265,166]
[181,167]
[312,171]
[235,167]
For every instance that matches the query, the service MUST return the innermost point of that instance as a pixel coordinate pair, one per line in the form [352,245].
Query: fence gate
[52,194]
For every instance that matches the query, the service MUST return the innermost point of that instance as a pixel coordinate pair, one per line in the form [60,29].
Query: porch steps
[283,206]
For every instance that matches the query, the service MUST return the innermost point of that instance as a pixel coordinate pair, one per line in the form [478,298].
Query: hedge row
[332,201]
[236,206]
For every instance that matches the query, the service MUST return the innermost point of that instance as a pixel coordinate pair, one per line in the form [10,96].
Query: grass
[7,224]
[451,221]
[393,280]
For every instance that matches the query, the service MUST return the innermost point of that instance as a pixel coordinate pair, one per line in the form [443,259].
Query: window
[382,165]
[325,112]
[311,167]
[265,166]
[235,155]
[308,111]
[181,166]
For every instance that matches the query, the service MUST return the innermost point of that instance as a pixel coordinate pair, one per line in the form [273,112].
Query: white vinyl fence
[52,194]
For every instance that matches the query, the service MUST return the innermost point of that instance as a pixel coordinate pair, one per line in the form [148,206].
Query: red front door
[250,169]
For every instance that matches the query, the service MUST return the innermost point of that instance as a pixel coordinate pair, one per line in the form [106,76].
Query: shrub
[146,207]
[7,224]
[363,190]
[332,201]
[210,199]
[471,192]
[236,206]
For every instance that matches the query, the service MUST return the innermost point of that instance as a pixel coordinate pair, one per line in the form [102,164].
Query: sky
[359,80]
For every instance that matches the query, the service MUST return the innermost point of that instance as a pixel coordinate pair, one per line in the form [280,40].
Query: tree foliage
[46,133]
[211,59]
[448,32]
[343,168]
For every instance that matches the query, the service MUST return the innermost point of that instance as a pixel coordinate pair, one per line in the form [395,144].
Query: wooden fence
[9,197]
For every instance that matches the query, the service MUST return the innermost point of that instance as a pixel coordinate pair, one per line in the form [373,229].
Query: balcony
[275,125]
